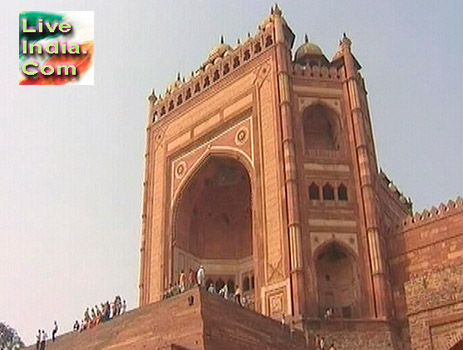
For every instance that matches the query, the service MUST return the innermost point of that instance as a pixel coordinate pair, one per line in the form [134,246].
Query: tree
[9,338]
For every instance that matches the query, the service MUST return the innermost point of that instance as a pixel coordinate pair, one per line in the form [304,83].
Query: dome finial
[306,38]
[277,10]
[178,76]
[221,39]
[238,41]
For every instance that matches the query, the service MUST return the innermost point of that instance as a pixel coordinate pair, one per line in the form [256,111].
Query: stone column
[366,164]
[290,169]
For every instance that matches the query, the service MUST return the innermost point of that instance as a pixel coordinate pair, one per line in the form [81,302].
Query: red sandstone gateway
[262,168]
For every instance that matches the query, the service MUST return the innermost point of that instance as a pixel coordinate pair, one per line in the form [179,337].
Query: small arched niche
[320,128]
[337,281]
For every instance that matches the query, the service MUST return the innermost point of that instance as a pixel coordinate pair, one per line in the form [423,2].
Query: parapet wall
[424,243]
[435,308]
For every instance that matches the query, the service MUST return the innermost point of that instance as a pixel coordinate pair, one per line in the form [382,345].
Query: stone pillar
[290,170]
[366,164]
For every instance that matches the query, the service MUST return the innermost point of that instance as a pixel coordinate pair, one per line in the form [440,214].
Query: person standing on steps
[201,277]
[54,331]
[43,340]
[39,338]
[182,281]
[238,295]
[322,343]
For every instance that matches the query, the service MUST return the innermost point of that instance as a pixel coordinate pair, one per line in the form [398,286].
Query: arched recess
[321,128]
[212,220]
[338,285]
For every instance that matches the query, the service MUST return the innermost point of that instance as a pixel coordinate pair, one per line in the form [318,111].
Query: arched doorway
[338,282]
[213,224]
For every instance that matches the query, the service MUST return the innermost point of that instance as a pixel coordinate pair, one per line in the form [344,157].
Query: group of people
[181,285]
[227,295]
[96,315]
[42,337]
[198,278]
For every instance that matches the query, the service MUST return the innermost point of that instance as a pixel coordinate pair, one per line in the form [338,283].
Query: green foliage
[9,338]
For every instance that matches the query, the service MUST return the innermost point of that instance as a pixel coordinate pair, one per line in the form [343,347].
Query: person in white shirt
[238,295]
[55,330]
[43,341]
[201,277]
[224,291]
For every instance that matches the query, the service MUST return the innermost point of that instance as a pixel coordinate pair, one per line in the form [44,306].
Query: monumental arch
[262,167]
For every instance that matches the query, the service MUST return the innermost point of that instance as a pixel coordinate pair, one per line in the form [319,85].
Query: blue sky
[71,158]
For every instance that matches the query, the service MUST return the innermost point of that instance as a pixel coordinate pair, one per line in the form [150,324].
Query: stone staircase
[209,323]
[231,327]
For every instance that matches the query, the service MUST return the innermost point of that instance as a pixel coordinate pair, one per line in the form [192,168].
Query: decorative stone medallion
[180,170]
[241,136]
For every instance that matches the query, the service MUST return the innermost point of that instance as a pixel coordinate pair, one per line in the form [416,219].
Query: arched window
[319,129]
[246,284]
[342,192]
[328,192]
[314,191]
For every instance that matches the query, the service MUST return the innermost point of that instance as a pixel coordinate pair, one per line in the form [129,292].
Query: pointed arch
[321,127]
[337,280]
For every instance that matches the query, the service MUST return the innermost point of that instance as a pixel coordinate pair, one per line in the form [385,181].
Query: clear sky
[71,158]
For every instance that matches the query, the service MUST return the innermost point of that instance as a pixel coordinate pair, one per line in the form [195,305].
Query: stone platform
[210,323]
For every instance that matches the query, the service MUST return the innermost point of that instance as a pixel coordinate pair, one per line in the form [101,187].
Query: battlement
[427,216]
[394,190]
[316,72]
[222,61]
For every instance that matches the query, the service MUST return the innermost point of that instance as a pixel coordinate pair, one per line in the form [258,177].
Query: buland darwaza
[262,168]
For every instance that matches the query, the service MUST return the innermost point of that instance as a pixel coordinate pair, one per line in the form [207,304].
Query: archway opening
[457,346]
[320,131]
[213,225]
[337,280]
